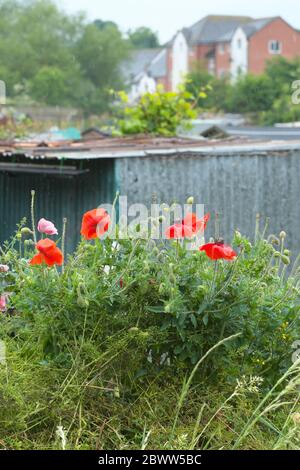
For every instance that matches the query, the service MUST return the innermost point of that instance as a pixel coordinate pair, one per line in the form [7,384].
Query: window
[239,43]
[275,47]
[221,49]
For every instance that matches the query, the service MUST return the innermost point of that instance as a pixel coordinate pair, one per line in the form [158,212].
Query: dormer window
[275,47]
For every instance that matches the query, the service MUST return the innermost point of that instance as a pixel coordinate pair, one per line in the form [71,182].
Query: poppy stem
[217,226]
[32,215]
[63,241]
[213,284]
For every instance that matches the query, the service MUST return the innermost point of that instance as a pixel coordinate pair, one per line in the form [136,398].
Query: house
[226,45]
[144,70]
[230,45]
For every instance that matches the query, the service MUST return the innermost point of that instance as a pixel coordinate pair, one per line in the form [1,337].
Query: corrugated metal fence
[237,185]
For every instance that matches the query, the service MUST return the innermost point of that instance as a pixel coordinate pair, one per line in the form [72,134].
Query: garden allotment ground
[136,344]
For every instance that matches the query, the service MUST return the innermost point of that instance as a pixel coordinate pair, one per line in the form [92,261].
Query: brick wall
[258,51]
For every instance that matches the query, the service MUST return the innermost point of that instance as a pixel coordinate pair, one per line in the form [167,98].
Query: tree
[100,51]
[104,24]
[59,58]
[49,86]
[251,94]
[143,38]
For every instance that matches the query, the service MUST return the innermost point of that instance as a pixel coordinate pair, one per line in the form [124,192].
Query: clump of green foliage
[266,97]
[159,113]
[140,344]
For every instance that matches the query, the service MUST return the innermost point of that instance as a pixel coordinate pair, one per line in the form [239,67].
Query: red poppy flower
[48,253]
[219,251]
[198,225]
[95,223]
[177,231]
[189,227]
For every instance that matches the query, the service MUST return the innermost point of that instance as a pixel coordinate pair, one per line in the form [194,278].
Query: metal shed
[236,179]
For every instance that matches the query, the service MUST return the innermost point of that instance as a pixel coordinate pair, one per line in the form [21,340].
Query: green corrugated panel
[56,197]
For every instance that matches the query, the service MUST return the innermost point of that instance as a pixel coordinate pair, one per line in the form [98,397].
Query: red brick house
[226,45]
[230,45]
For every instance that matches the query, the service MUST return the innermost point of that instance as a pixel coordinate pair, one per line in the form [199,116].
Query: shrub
[252,93]
[159,113]
[173,302]
[219,90]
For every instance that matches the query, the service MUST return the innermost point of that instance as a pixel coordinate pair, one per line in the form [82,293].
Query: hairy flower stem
[257,227]
[32,215]
[63,240]
[217,226]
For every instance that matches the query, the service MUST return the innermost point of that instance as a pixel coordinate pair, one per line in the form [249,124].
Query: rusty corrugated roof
[134,146]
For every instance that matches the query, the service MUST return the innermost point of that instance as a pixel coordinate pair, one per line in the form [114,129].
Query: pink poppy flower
[47,227]
[4,268]
[3,299]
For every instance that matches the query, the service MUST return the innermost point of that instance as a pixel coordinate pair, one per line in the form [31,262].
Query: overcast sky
[167,16]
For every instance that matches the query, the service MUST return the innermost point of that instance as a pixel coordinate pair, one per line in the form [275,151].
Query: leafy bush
[174,302]
[252,93]
[159,113]
[219,90]
[266,98]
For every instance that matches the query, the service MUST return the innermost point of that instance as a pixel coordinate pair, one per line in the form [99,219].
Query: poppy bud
[26,231]
[286,260]
[296,418]
[81,300]
[190,200]
[83,303]
[287,253]
[282,235]
[277,254]
[134,329]
[161,219]
[29,242]
[274,240]
[162,288]
[18,236]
